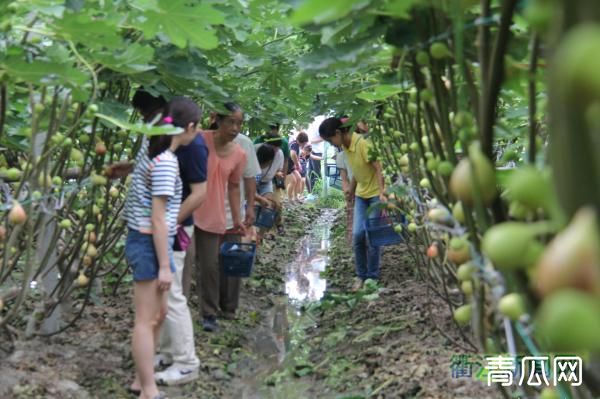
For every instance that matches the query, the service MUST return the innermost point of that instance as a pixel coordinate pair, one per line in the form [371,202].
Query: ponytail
[330,125]
[179,112]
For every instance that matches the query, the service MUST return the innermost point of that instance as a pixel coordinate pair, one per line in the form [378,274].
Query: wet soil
[384,342]
[391,340]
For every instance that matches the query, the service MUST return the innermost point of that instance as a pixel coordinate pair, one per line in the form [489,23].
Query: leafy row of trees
[67,72]
[485,117]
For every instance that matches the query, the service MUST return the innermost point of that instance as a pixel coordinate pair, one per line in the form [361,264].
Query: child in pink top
[226,162]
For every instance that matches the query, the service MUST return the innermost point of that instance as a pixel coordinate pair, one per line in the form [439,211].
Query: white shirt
[342,163]
[252,169]
[313,133]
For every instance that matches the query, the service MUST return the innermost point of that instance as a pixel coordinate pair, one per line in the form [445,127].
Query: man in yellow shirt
[367,187]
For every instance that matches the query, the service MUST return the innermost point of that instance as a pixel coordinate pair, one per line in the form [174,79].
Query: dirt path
[374,344]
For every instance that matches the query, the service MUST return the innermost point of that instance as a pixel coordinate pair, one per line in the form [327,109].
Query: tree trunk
[573,148]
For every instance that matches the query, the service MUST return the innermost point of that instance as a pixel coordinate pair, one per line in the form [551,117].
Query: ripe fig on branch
[572,259]
[459,250]
[474,173]
[512,245]
[17,214]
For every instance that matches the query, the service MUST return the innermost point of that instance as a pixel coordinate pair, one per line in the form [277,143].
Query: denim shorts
[141,256]
[265,187]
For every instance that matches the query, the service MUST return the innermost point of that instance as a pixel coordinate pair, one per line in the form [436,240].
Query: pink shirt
[210,216]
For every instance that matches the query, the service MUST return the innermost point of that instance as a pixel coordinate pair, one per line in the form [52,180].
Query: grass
[333,200]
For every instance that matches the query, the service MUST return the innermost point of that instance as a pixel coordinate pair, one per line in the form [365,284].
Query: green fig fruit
[568,321]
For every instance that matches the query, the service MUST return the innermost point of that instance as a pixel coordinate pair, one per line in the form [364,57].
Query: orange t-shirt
[210,216]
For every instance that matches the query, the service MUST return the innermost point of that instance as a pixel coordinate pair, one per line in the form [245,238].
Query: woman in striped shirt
[151,211]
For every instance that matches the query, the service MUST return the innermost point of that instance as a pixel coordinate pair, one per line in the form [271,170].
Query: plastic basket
[265,217]
[380,230]
[237,259]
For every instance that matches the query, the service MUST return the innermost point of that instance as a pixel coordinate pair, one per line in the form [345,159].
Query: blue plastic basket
[265,217]
[380,230]
[237,259]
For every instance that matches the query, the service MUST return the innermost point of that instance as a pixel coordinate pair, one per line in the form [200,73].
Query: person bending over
[367,187]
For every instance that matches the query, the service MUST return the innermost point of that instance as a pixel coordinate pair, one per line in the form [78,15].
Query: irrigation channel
[277,339]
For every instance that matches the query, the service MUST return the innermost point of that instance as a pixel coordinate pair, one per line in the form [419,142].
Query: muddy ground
[394,340]
[383,342]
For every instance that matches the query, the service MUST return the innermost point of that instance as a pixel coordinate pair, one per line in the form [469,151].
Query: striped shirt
[153,178]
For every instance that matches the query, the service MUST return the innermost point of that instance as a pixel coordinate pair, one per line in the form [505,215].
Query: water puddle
[303,276]
[276,345]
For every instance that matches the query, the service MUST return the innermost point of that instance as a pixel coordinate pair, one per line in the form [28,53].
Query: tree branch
[494,79]
[2,107]
[533,125]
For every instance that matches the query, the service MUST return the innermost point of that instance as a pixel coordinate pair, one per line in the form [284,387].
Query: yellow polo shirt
[364,172]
